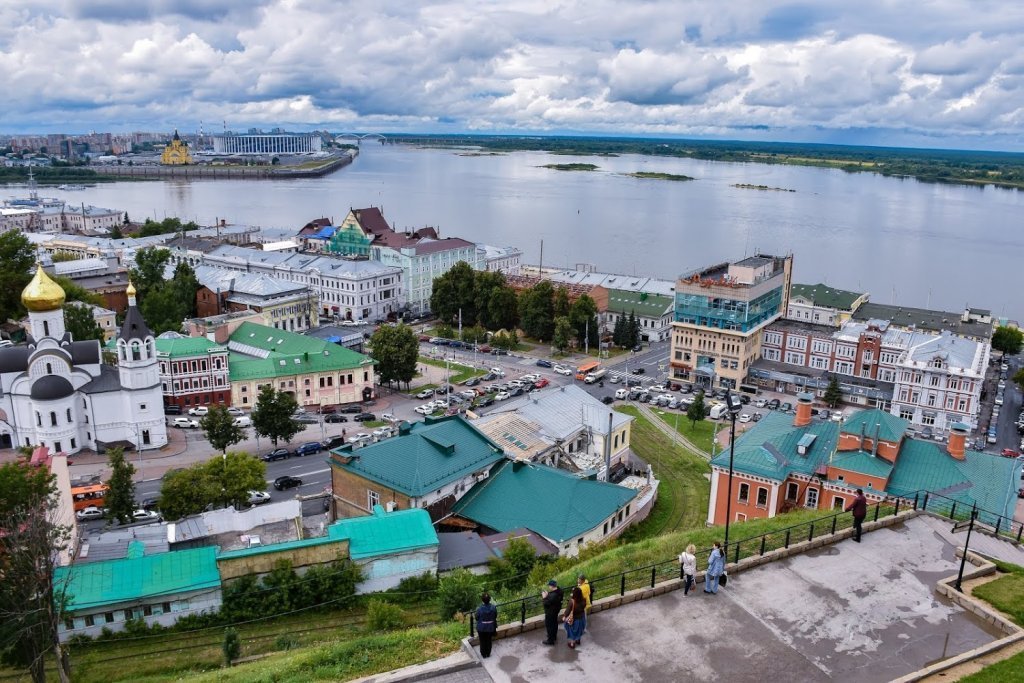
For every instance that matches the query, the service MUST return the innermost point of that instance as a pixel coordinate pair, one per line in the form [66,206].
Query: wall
[750,509]
[181,604]
[351,490]
[382,573]
[262,563]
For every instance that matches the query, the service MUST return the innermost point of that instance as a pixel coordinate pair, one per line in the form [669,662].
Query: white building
[505,260]
[939,381]
[58,392]
[823,305]
[275,142]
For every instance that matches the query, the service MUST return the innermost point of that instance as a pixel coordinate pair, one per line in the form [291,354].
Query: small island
[763,188]
[659,176]
[571,167]
[480,154]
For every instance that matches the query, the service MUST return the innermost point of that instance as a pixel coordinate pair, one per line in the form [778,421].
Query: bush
[285,642]
[282,590]
[232,646]
[458,592]
[413,589]
[383,616]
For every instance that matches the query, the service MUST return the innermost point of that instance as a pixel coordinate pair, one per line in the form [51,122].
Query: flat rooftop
[848,611]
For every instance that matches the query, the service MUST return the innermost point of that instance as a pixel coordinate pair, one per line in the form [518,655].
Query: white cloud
[664,67]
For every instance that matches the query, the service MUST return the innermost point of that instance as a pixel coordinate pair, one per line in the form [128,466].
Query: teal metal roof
[643,304]
[554,503]
[769,448]
[185,346]
[97,584]
[892,427]
[989,480]
[862,462]
[435,452]
[286,353]
[385,533]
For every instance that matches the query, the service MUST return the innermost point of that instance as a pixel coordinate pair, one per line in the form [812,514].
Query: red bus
[587,368]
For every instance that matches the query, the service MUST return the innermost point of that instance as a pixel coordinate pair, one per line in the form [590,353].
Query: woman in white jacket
[688,562]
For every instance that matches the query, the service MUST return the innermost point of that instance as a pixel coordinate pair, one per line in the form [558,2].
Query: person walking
[716,565]
[859,508]
[688,564]
[552,600]
[575,617]
[486,624]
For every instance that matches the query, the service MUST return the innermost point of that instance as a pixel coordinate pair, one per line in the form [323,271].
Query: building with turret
[176,153]
[58,392]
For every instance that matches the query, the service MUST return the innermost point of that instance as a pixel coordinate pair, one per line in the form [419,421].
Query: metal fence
[1002,526]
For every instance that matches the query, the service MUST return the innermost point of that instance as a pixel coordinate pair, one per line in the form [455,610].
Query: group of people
[713,577]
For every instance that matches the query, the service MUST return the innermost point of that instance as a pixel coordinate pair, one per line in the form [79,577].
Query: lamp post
[734,409]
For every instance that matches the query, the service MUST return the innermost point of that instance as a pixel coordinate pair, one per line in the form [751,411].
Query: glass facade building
[728,314]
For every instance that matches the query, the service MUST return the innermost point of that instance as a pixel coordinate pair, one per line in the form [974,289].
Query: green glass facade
[349,240]
[728,314]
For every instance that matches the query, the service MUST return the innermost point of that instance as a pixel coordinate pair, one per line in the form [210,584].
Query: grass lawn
[1006,593]
[700,434]
[373,424]
[459,373]
[683,493]
[1009,670]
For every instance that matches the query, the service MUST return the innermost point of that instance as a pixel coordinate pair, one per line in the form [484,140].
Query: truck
[595,376]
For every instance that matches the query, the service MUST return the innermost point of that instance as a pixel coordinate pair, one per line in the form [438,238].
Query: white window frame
[807,498]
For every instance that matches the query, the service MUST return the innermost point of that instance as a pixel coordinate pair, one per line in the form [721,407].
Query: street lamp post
[734,408]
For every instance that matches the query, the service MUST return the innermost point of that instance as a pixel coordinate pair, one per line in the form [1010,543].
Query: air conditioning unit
[390,507]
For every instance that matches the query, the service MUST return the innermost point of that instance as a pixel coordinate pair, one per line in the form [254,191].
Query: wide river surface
[913,243]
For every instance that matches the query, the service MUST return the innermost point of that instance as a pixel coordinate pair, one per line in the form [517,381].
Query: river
[904,241]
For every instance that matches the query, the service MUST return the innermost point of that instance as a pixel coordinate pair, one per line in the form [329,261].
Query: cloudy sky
[916,72]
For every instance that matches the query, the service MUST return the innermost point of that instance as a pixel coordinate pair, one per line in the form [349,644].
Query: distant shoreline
[763,188]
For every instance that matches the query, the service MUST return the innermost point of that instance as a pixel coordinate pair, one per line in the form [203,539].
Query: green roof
[862,462]
[892,428]
[554,503]
[185,346]
[769,448]
[989,480]
[825,296]
[433,453]
[643,304]
[97,584]
[382,533]
[259,352]
[385,533]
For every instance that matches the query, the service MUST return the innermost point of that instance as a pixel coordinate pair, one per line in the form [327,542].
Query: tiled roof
[825,296]
[892,427]
[96,584]
[643,304]
[435,452]
[258,351]
[554,503]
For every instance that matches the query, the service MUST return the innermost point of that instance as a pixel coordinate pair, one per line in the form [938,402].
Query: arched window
[136,351]
[69,415]
[53,419]
[49,369]
[46,328]
[39,419]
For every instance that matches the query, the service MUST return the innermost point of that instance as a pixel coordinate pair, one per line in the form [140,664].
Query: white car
[562,370]
[426,393]
[198,411]
[258,497]
[91,512]
[145,516]
[501,396]
[468,394]
[615,379]
[744,417]
[424,409]
[184,423]
[236,411]
[621,394]
[497,371]
[382,432]
[357,438]
[760,403]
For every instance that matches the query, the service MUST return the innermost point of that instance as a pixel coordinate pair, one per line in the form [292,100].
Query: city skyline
[944,75]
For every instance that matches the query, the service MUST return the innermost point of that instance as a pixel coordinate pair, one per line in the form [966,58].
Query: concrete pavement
[847,611]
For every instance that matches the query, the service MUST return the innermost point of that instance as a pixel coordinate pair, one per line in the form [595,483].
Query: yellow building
[176,153]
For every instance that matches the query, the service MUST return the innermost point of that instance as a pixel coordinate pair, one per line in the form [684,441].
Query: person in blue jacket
[486,624]
[716,565]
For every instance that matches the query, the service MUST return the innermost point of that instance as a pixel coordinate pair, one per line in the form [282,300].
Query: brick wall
[351,494]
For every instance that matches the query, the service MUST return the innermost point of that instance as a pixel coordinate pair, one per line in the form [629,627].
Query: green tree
[696,410]
[634,330]
[1007,339]
[457,592]
[505,340]
[511,571]
[232,645]
[452,291]
[148,273]
[1018,377]
[272,416]
[74,292]
[474,335]
[583,315]
[220,428]
[116,233]
[23,486]
[78,320]
[560,302]
[563,334]
[164,304]
[17,255]
[536,311]
[216,483]
[503,309]
[396,350]
[485,284]
[120,498]
[186,492]
[833,394]
[619,333]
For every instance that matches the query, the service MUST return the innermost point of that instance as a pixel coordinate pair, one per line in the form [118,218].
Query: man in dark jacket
[486,624]
[552,606]
[859,508]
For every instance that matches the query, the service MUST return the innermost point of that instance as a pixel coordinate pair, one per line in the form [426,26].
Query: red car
[424,337]
[541,383]
[1010,453]
[484,349]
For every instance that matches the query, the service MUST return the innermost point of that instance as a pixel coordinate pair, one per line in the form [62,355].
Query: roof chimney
[957,446]
[803,409]
[863,434]
[874,441]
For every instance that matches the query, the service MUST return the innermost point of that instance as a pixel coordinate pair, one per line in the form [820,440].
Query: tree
[185,492]
[120,499]
[116,233]
[537,311]
[560,302]
[511,571]
[272,416]
[74,292]
[452,291]
[634,330]
[1018,377]
[166,306]
[79,321]
[220,428]
[17,255]
[696,410]
[219,482]
[504,340]
[583,315]
[232,645]
[833,394]
[619,333]
[148,272]
[32,592]
[563,334]
[1007,339]
[396,350]
[457,592]
[485,284]
[503,309]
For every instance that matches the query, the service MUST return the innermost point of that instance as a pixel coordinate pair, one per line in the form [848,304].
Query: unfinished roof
[825,296]
[563,412]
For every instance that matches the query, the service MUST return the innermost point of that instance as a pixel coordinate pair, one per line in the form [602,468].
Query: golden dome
[42,293]
[131,289]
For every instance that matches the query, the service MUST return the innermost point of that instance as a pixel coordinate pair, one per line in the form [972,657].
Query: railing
[1003,527]
[650,575]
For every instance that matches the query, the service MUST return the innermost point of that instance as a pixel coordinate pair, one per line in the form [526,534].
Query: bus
[587,368]
[89,495]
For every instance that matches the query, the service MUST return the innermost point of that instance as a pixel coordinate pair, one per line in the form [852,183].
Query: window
[792,491]
[372,498]
[906,414]
[928,419]
[53,419]
[73,445]
[812,499]
[109,617]
[145,437]
[89,620]
[762,497]
[838,503]
[744,495]
[49,369]
[56,446]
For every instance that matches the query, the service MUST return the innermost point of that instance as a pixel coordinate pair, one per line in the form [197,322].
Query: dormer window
[937,363]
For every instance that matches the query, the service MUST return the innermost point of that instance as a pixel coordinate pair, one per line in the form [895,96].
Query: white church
[57,392]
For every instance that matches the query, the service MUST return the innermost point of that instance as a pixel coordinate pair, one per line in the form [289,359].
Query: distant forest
[1001,169]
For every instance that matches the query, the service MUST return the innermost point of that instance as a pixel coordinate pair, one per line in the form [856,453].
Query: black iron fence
[993,522]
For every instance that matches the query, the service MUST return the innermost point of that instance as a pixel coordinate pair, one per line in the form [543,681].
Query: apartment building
[823,305]
[720,312]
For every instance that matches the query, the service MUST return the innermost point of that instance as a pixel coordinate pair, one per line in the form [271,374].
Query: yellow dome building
[42,293]
[176,153]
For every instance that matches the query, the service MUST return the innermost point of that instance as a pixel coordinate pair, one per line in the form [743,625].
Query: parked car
[516,391]
[489,377]
[1009,453]
[236,412]
[151,503]
[142,515]
[353,409]
[786,407]
[335,419]
[541,383]
[757,417]
[502,395]
[774,404]
[486,401]
[639,371]
[199,411]
[91,512]
[309,448]
[760,403]
[927,433]
[287,482]
[498,372]
[542,363]
[607,400]
[305,418]
[472,382]
[745,417]
[426,393]
[562,370]
[185,423]
[277,454]
[243,421]
[172,410]
[365,417]
[382,432]
[499,352]
[360,438]
[334,442]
